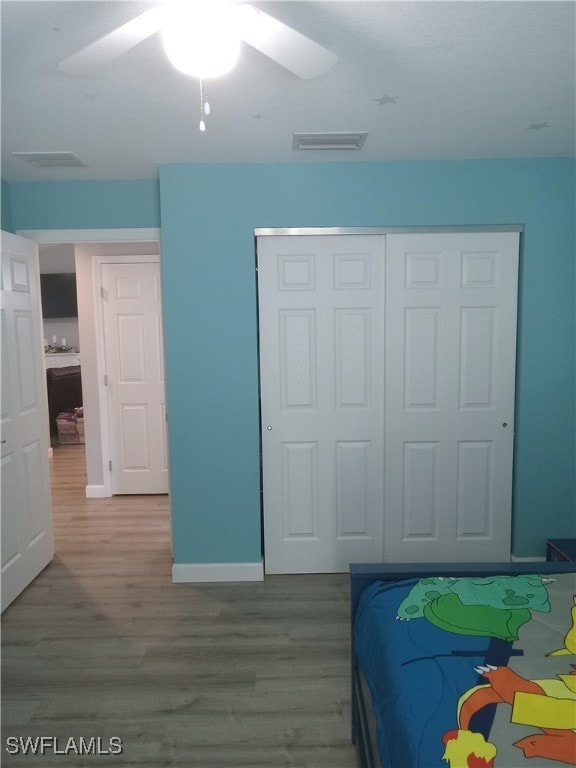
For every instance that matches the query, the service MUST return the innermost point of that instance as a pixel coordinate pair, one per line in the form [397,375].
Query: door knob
[269,428]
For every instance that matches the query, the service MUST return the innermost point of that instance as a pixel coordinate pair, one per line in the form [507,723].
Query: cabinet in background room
[64,392]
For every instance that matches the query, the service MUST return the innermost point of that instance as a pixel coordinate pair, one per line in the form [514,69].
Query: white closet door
[321,314]
[450,379]
[135,372]
[27,538]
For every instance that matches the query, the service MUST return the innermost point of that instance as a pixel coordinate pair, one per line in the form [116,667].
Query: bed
[464,665]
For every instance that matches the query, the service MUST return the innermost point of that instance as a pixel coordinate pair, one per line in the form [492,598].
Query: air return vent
[333,140]
[50,159]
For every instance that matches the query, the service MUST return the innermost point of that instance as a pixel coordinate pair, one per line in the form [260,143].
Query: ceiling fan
[195,30]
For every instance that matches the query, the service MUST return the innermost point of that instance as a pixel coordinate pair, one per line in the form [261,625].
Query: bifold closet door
[450,381]
[321,315]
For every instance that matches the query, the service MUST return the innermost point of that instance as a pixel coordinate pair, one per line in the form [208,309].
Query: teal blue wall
[6,207]
[208,217]
[85,205]
[208,214]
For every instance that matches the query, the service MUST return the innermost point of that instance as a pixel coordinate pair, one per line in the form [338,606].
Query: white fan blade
[284,45]
[113,45]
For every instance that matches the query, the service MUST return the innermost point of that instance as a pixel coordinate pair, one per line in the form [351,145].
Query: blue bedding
[424,645]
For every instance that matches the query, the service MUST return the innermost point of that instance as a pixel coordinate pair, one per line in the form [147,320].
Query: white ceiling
[427,80]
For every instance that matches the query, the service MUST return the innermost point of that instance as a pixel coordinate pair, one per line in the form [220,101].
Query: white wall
[56,257]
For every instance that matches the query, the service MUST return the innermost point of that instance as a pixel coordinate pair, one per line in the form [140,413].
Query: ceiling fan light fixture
[200,38]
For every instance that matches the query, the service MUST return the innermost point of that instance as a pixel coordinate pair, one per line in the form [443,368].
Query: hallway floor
[103,645]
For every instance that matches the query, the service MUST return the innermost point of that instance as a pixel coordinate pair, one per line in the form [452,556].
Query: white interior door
[321,313]
[27,538]
[387,396]
[450,380]
[135,377]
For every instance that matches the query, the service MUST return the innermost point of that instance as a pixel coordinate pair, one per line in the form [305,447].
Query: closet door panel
[450,379]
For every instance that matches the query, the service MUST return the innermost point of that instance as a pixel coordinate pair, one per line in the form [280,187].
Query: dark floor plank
[210,676]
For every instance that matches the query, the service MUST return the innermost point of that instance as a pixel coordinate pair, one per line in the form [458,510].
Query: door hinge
[105,380]
[102,292]
[110,465]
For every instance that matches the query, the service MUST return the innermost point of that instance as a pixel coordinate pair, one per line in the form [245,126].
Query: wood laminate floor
[103,645]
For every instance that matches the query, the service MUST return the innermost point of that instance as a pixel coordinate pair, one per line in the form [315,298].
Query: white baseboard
[96,492]
[204,572]
[528,559]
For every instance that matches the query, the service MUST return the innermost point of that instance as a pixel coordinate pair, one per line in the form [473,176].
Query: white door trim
[142,234]
[97,262]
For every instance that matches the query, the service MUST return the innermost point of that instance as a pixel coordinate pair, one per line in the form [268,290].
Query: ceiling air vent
[329,140]
[50,159]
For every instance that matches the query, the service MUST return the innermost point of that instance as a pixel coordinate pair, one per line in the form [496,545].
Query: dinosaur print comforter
[471,672]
